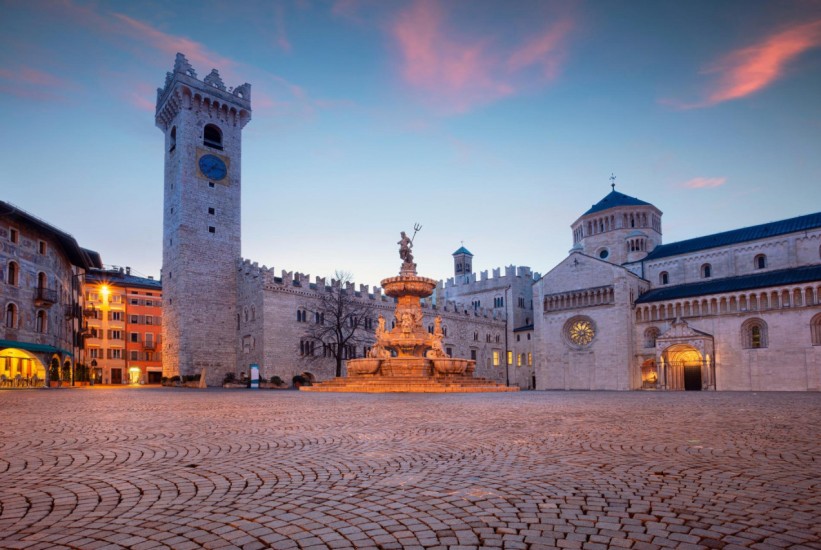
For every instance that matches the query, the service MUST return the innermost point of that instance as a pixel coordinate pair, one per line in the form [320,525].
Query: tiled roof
[755,232]
[731,284]
[462,250]
[114,277]
[614,199]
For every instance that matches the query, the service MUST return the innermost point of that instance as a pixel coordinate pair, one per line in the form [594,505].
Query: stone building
[124,320]
[41,272]
[737,310]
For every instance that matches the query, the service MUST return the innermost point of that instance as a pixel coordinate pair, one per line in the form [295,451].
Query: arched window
[815,330]
[42,322]
[650,336]
[212,136]
[172,138]
[11,316]
[706,271]
[14,274]
[754,334]
[664,278]
[444,330]
[760,261]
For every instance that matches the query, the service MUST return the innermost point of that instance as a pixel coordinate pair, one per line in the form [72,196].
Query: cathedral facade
[737,310]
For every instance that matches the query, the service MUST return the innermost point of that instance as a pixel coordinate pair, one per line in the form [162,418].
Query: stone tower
[202,121]
[462,260]
[618,229]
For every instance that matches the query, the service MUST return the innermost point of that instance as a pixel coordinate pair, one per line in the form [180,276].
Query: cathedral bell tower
[202,121]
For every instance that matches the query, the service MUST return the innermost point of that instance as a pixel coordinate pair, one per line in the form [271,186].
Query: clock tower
[202,121]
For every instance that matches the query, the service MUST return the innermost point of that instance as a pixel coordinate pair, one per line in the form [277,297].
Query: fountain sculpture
[408,358]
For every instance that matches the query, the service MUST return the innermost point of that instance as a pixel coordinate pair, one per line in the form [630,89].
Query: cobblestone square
[174,468]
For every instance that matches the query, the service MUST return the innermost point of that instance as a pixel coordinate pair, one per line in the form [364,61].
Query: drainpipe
[507,350]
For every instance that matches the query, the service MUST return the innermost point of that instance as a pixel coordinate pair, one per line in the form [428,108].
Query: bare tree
[338,322]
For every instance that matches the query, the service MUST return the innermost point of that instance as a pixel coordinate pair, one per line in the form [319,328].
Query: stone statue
[380,327]
[405,245]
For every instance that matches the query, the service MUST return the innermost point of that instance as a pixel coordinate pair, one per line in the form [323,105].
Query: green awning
[38,348]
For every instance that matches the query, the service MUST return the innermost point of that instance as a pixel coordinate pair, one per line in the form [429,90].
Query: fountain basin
[406,366]
[448,366]
[407,285]
[363,366]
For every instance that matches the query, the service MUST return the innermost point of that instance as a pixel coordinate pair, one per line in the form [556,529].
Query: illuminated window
[579,331]
[529,359]
[520,360]
[509,357]
[496,358]
[754,334]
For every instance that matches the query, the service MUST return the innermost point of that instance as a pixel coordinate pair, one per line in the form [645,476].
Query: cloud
[747,70]
[28,83]
[703,183]
[459,72]
[279,27]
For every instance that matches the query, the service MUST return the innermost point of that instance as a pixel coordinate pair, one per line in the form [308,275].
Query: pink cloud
[279,25]
[28,83]
[461,72]
[704,183]
[747,70]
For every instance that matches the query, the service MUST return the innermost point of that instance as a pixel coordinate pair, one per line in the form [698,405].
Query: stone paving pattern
[175,468]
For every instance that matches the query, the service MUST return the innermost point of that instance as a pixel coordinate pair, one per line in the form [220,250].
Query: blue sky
[492,123]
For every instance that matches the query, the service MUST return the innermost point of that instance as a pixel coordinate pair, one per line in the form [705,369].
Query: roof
[755,232]
[81,257]
[729,284]
[30,346]
[116,278]
[614,199]
[462,250]
[524,328]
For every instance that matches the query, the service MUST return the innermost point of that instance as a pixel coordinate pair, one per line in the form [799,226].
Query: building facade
[737,310]
[124,323]
[41,272]
[732,311]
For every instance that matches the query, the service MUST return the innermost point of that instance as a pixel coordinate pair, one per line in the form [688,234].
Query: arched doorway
[684,365]
[18,366]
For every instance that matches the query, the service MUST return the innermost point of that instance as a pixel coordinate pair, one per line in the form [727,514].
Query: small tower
[202,121]
[462,264]
[618,229]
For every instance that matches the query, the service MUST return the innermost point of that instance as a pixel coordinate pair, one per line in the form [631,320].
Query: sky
[492,124]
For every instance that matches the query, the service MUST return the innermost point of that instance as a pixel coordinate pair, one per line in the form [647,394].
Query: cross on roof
[612,181]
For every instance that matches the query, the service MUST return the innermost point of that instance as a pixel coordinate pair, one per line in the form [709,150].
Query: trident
[416,229]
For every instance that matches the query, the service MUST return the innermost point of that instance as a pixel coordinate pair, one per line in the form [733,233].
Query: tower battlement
[182,90]
[486,282]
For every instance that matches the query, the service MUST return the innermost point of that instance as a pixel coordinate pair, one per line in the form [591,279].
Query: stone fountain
[408,358]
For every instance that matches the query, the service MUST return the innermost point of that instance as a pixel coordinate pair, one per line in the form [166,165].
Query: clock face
[212,167]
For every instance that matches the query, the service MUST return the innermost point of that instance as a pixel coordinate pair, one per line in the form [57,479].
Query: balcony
[45,296]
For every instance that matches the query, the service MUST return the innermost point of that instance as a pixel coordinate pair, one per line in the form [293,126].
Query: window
[477,304]
[212,136]
[529,359]
[521,302]
[301,316]
[520,359]
[41,325]
[115,353]
[14,274]
[579,331]
[475,336]
[604,253]
[449,352]
[815,330]
[650,336]
[498,339]
[135,355]
[115,315]
[14,235]
[473,355]
[760,261]
[495,358]
[509,357]
[518,337]
[42,280]
[42,248]
[444,330]
[754,334]
[135,319]
[172,138]
[499,301]
[135,337]
[706,271]
[149,319]
[95,353]
[664,278]
[212,211]
[211,184]
[115,334]
[212,229]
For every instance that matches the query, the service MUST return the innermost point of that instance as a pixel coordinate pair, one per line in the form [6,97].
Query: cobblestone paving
[174,468]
